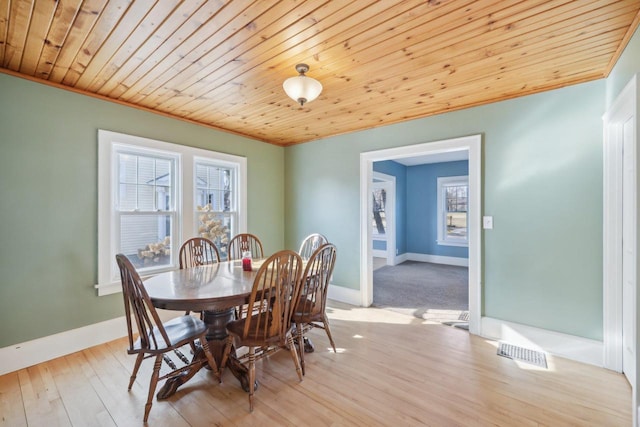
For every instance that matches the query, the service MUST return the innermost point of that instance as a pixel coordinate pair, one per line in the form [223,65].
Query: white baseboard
[345,295]
[437,259]
[564,345]
[401,258]
[29,353]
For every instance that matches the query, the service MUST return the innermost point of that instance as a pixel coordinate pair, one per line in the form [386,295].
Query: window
[215,199]
[379,210]
[144,209]
[452,210]
[153,195]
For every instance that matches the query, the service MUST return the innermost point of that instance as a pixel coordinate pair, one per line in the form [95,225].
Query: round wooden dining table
[215,289]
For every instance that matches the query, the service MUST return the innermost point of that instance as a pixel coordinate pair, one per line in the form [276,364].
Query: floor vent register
[522,354]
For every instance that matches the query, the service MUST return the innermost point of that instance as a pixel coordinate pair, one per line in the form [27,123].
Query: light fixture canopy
[302,88]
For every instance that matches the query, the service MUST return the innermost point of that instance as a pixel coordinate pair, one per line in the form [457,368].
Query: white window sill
[108,288]
[452,243]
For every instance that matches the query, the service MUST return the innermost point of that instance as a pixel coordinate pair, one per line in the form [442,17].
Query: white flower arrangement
[153,252]
[212,228]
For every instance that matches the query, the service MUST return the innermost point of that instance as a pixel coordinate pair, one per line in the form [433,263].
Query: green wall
[48,201]
[542,183]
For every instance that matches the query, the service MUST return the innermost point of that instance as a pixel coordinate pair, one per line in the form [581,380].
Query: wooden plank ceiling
[221,63]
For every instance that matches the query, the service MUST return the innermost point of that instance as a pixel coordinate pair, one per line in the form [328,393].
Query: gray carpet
[428,291]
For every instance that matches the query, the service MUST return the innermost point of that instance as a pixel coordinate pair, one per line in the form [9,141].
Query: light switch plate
[487,222]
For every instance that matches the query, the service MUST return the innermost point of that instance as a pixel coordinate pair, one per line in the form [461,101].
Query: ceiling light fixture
[302,88]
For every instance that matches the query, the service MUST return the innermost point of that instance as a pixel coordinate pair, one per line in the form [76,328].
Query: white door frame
[623,109]
[473,145]
[390,215]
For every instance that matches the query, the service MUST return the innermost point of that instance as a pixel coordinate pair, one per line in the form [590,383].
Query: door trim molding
[473,144]
[620,111]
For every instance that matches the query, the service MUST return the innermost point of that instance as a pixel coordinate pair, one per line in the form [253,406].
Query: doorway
[471,144]
[431,279]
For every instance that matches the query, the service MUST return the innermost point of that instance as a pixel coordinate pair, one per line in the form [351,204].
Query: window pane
[163,171]
[163,198]
[145,183]
[128,197]
[456,198]
[146,239]
[379,214]
[128,169]
[214,187]
[457,225]
[146,198]
[146,170]
[216,227]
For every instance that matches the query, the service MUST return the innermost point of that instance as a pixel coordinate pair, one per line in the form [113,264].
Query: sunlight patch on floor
[373,315]
[529,367]
[442,315]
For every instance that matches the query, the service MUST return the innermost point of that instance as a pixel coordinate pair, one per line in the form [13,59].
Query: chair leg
[212,363]
[152,386]
[136,366]
[299,330]
[225,354]
[325,321]
[252,375]
[294,356]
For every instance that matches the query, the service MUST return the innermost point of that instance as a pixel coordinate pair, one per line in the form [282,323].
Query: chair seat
[179,330]
[306,311]
[256,336]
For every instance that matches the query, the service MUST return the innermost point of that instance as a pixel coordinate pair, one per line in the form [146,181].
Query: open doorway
[430,280]
[471,145]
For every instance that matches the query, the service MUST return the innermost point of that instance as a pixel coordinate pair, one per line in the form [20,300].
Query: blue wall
[416,216]
[422,208]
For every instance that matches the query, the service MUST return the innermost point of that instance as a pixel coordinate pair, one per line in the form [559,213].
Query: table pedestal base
[217,321]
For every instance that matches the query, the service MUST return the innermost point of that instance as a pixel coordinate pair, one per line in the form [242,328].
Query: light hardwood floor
[390,370]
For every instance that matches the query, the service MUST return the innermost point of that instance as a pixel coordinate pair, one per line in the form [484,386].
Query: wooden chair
[198,251]
[310,244]
[156,339]
[310,306]
[244,242]
[268,327]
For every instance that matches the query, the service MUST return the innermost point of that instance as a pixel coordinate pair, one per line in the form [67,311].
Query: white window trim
[388,181]
[443,240]
[108,276]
